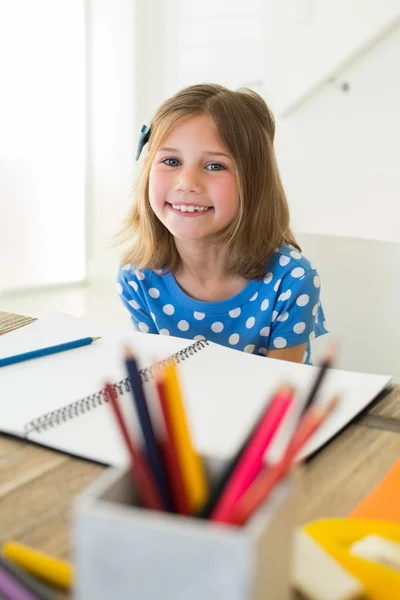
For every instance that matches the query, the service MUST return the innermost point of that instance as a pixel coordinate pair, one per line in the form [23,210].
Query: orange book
[384,502]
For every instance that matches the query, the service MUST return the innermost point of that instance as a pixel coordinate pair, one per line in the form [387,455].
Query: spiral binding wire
[79,407]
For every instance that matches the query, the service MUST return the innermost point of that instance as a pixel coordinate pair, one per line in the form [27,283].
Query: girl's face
[192,186]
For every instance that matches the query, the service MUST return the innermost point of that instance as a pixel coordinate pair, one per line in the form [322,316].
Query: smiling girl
[210,252]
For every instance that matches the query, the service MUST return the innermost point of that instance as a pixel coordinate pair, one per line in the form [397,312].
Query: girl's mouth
[189,210]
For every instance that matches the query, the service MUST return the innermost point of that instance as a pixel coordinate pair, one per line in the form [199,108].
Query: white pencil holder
[122,551]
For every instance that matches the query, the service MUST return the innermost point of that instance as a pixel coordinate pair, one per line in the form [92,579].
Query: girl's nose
[188,180]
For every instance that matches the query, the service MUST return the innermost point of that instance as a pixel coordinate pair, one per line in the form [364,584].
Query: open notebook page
[224,389]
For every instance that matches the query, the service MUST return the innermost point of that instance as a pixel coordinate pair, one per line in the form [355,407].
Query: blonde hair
[246,128]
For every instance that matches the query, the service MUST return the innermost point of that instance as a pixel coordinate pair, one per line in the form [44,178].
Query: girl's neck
[202,273]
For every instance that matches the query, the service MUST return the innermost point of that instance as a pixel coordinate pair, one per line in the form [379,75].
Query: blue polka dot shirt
[280,311]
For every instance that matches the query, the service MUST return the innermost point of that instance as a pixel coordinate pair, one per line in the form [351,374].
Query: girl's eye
[215,167]
[171,162]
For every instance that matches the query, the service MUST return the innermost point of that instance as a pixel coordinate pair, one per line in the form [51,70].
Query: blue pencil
[11,360]
[153,452]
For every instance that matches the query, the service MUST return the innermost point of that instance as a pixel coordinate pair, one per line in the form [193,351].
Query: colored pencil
[191,467]
[171,456]
[12,588]
[17,358]
[265,483]
[26,580]
[52,570]
[218,488]
[325,365]
[251,462]
[140,471]
[154,456]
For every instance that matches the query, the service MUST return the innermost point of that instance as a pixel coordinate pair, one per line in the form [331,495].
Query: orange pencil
[142,476]
[265,482]
[175,480]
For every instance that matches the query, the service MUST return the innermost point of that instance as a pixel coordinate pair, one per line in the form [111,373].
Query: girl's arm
[293,354]
[132,299]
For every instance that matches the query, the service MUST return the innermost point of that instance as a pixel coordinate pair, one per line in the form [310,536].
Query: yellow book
[189,462]
[51,570]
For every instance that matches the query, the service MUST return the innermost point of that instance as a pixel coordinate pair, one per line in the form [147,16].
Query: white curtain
[42,142]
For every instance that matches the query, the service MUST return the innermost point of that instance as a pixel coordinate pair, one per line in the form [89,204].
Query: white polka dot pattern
[284,260]
[234,339]
[285,296]
[280,342]
[169,309]
[303,300]
[277,284]
[283,317]
[134,285]
[282,310]
[249,348]
[297,272]
[299,327]
[250,322]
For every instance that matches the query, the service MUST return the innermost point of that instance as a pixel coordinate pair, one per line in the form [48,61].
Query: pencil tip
[94,339]
[128,352]
[330,353]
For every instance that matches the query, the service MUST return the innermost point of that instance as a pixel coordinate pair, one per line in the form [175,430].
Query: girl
[211,254]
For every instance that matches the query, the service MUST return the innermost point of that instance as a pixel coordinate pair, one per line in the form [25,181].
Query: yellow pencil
[193,475]
[52,570]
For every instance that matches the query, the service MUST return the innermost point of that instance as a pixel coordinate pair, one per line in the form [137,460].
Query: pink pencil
[251,462]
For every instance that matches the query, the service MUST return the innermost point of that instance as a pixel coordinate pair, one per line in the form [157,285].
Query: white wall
[308,40]
[42,143]
[124,65]
[339,152]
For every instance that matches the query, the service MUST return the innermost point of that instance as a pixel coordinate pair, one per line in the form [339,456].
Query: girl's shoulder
[289,260]
[130,275]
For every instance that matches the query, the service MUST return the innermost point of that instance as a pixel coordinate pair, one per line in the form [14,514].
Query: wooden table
[38,486]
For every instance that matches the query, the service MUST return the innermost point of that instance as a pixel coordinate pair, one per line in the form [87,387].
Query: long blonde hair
[246,127]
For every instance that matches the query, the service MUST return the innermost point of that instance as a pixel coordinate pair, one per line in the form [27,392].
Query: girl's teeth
[190,208]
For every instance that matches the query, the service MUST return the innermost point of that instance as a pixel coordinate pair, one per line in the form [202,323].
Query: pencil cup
[123,551]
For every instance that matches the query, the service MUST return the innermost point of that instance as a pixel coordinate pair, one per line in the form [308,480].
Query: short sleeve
[298,316]
[128,289]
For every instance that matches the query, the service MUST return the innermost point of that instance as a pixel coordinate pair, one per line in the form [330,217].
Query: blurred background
[79,78]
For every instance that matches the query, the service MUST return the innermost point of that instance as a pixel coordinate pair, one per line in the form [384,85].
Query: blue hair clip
[143,139]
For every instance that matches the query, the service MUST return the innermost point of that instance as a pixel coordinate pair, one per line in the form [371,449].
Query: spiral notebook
[57,401]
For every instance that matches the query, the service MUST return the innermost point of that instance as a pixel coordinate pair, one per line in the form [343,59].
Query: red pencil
[265,482]
[140,470]
[171,456]
[251,461]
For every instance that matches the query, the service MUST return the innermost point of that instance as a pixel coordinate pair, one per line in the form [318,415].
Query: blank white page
[224,390]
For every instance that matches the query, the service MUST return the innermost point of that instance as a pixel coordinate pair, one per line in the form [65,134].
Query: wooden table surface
[38,486]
